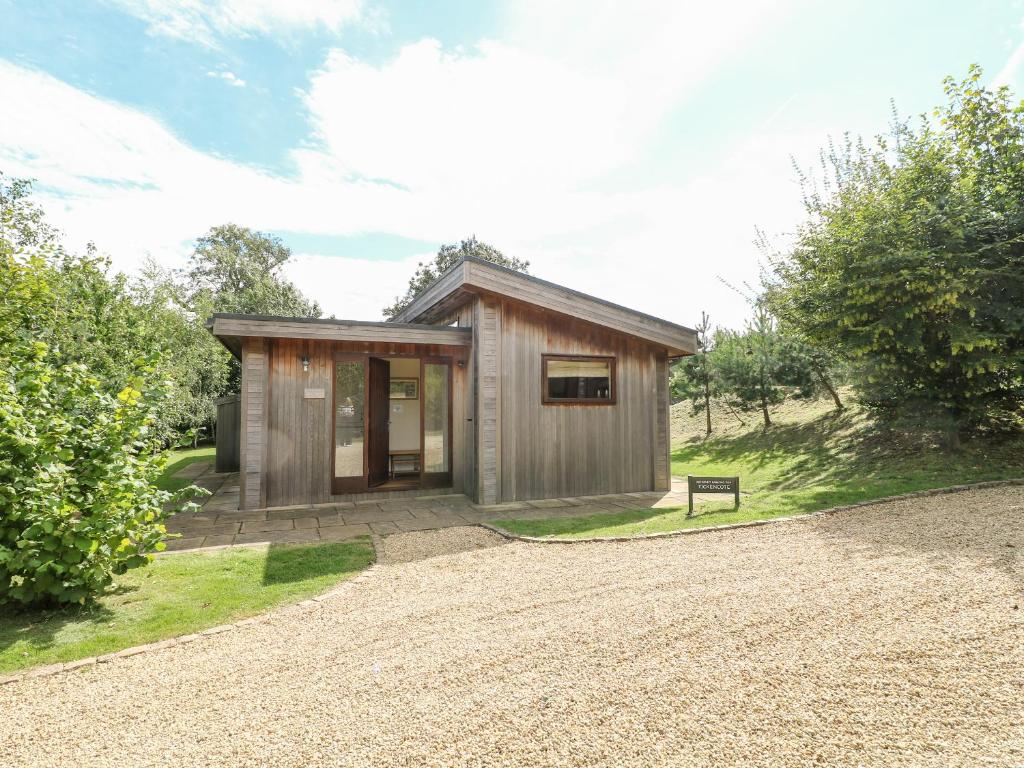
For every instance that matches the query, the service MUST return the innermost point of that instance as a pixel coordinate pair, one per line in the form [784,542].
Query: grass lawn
[177,595]
[811,459]
[180,459]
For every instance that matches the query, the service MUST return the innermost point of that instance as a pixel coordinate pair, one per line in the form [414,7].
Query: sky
[630,150]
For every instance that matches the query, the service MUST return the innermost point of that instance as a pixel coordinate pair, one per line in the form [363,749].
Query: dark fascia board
[231,328]
[232,345]
[327,321]
[430,297]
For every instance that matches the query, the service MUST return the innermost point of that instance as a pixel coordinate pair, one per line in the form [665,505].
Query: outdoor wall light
[305,363]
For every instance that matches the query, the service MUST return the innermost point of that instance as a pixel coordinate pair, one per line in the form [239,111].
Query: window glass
[579,379]
[349,383]
[435,417]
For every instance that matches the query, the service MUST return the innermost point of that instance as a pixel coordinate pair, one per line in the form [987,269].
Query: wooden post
[255,402]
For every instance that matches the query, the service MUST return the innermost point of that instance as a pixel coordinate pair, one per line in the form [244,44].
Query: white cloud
[203,21]
[1008,74]
[517,140]
[228,77]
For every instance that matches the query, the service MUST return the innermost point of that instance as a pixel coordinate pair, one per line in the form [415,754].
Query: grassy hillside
[811,458]
[814,458]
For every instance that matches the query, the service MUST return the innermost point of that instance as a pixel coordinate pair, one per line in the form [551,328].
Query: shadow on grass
[841,452]
[40,626]
[289,563]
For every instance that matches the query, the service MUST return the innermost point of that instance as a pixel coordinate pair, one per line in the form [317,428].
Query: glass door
[349,426]
[437,423]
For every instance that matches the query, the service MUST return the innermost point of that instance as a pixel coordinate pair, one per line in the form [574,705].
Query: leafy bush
[78,464]
[910,265]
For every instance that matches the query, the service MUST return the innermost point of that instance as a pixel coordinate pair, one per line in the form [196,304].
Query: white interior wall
[405,414]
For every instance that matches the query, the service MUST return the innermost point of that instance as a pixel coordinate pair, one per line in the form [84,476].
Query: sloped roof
[471,276]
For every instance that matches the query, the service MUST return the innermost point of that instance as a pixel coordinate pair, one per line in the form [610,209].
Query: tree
[446,256]
[760,367]
[195,363]
[694,378]
[83,313]
[910,263]
[80,425]
[22,222]
[234,269]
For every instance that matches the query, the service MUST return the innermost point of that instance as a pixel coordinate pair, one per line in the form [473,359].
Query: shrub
[78,503]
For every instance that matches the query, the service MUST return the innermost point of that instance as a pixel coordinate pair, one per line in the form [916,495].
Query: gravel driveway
[892,635]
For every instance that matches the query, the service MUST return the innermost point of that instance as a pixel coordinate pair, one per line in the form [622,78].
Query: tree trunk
[764,405]
[707,408]
[953,431]
[831,390]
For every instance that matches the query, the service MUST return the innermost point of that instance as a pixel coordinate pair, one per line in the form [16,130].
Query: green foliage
[695,378]
[77,469]
[197,365]
[760,367]
[911,264]
[107,321]
[22,222]
[446,256]
[81,396]
[234,269]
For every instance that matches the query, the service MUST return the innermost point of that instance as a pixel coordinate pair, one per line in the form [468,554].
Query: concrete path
[886,636]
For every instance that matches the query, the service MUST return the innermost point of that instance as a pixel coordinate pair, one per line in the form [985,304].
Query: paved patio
[220,523]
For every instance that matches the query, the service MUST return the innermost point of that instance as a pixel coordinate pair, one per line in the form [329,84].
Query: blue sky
[626,149]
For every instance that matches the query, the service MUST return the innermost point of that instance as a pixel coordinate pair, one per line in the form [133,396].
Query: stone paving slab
[193,470]
[220,523]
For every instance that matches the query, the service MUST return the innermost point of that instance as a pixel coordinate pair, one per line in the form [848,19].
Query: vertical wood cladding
[548,451]
[299,438]
[252,459]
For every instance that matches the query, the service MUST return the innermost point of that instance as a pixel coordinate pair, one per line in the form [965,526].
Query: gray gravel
[886,636]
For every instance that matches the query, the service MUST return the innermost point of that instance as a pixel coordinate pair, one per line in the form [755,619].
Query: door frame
[346,485]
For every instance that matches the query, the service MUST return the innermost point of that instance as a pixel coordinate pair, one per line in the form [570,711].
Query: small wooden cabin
[492,383]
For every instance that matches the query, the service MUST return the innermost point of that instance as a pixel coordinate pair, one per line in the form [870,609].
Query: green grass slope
[814,457]
[811,458]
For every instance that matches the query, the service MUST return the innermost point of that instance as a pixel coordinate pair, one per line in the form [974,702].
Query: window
[578,379]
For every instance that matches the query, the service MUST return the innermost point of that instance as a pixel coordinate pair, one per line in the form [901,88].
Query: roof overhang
[472,276]
[230,329]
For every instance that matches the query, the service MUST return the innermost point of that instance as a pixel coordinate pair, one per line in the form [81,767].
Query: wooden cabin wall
[299,445]
[253,447]
[487,345]
[547,451]
[298,434]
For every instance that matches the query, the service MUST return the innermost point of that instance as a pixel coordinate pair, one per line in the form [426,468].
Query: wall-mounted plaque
[314,394]
[404,389]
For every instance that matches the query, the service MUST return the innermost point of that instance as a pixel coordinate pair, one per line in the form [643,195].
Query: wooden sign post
[712,485]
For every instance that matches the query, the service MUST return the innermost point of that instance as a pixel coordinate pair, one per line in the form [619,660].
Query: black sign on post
[712,485]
